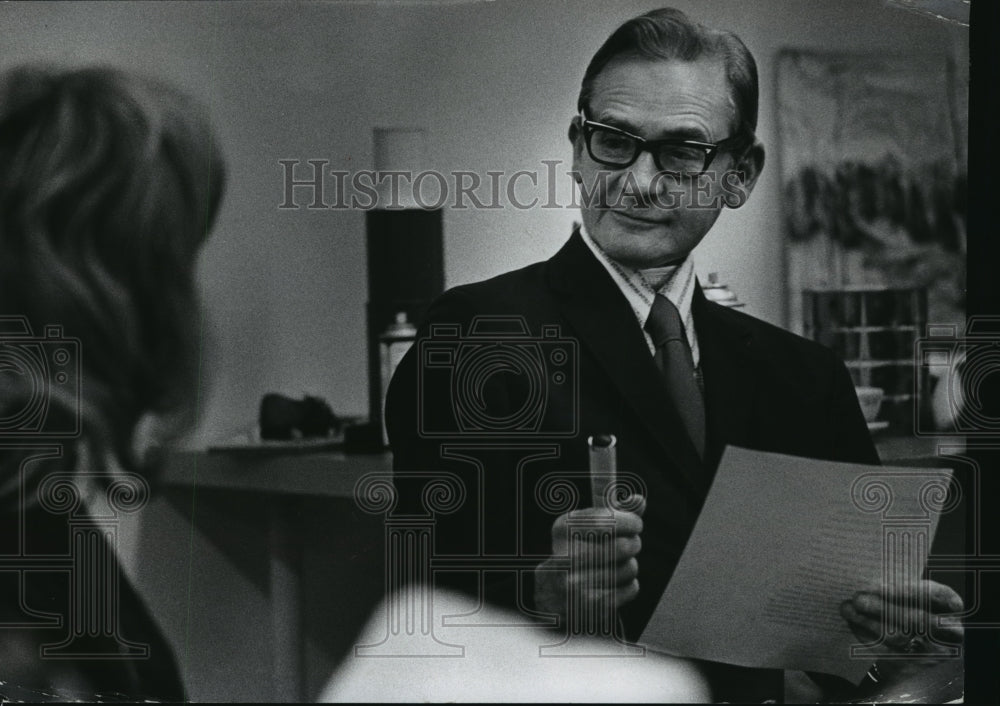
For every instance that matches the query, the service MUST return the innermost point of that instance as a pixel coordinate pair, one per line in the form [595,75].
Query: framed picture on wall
[872,153]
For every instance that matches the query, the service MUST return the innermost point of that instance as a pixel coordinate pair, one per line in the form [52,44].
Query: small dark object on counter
[282,418]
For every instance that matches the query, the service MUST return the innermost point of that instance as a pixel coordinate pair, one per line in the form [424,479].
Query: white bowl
[870,399]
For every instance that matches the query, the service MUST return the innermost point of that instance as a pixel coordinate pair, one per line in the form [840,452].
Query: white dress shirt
[640,288]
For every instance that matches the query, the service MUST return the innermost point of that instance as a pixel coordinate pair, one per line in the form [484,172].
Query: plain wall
[493,83]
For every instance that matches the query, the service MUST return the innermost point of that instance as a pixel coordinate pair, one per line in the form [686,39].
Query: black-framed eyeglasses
[614,147]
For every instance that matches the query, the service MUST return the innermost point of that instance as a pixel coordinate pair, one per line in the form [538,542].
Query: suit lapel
[605,323]
[731,365]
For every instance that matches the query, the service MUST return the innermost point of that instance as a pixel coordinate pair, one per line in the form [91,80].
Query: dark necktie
[673,357]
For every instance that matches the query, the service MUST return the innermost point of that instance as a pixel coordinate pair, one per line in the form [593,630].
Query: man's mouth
[639,217]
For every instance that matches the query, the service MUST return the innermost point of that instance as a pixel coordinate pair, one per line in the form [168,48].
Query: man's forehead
[633,89]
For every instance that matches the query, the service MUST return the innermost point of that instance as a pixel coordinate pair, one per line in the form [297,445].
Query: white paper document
[780,543]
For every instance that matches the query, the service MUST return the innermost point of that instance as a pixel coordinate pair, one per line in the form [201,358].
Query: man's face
[655,100]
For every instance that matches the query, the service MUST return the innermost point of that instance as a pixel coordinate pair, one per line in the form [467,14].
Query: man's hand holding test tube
[573,561]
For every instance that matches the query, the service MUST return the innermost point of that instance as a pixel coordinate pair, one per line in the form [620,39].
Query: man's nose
[644,171]
[645,167]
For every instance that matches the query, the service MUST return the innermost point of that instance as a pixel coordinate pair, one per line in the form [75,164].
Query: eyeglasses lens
[616,149]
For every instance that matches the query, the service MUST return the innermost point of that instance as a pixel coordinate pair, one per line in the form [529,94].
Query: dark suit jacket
[765,389]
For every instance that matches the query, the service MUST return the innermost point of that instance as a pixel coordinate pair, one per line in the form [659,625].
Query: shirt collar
[678,282]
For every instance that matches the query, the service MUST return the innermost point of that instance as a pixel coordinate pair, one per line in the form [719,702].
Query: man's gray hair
[668,34]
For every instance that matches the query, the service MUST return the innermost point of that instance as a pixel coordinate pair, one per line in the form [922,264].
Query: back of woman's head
[109,184]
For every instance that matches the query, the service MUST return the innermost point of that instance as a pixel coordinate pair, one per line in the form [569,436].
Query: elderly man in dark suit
[622,341]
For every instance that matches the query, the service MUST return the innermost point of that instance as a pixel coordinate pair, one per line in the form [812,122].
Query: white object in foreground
[502,664]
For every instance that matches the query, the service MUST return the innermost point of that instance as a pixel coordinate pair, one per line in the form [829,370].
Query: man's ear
[575,134]
[748,168]
[575,125]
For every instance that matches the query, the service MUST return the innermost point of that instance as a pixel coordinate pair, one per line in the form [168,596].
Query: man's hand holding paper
[901,618]
[782,570]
